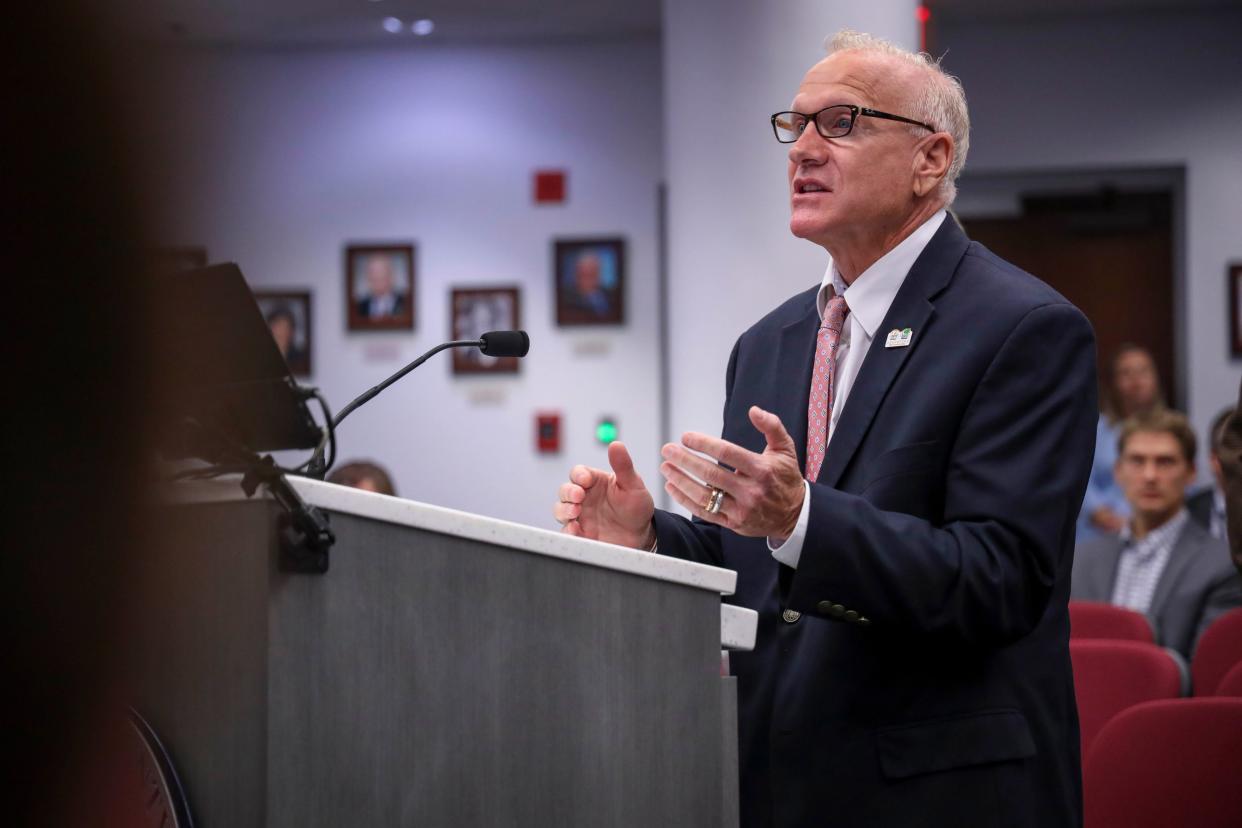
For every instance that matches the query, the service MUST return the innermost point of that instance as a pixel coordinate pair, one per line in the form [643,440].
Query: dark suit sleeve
[1012,488]
[1231,464]
[1224,595]
[695,540]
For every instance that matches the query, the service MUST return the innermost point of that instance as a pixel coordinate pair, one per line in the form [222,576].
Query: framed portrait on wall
[288,317]
[475,311]
[379,286]
[1235,309]
[590,281]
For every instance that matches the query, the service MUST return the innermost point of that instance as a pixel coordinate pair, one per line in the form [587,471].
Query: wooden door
[1111,254]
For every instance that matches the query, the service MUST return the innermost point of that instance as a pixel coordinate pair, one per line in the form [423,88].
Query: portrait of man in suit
[1165,564]
[590,282]
[379,286]
[905,448]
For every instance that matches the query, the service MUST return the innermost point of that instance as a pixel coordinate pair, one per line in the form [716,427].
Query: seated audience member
[1133,390]
[365,475]
[1208,506]
[1162,563]
[1231,471]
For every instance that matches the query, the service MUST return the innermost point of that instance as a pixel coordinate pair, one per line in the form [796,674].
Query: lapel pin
[898,339]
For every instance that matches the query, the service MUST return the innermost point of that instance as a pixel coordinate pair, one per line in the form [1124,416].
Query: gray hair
[941,102]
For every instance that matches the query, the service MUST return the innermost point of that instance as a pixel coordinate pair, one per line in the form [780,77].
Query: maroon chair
[1091,619]
[1219,648]
[1110,676]
[1231,684]
[1167,763]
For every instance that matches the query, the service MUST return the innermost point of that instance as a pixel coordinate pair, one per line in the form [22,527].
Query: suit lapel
[795,359]
[912,309]
[1181,559]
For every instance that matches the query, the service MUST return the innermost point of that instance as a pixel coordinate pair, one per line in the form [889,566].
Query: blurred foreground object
[74,318]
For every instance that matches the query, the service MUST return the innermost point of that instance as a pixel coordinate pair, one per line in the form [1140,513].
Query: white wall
[1126,90]
[277,159]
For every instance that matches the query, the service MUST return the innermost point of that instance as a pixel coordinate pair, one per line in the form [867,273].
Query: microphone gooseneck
[492,343]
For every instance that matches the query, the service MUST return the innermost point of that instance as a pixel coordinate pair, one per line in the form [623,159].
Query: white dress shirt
[1216,524]
[383,305]
[1142,562]
[868,299]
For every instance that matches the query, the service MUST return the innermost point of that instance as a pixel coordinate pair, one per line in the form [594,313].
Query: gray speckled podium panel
[431,680]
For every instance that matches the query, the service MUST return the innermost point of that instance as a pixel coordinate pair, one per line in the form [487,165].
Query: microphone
[505,343]
[493,344]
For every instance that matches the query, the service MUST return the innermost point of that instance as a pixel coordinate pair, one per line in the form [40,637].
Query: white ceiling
[359,22]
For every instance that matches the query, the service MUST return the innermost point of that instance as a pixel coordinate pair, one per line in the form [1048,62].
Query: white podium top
[738,625]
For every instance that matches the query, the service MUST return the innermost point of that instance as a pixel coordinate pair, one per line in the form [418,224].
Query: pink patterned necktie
[823,377]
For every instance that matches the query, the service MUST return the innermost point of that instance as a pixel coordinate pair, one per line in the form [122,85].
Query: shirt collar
[873,292]
[1159,537]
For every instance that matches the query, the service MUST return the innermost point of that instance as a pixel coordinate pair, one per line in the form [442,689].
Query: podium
[447,670]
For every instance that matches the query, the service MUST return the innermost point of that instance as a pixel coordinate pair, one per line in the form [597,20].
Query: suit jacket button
[851,616]
[836,610]
[824,607]
[791,616]
[864,621]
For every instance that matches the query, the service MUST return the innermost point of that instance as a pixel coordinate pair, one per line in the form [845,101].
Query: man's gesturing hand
[613,507]
[763,497]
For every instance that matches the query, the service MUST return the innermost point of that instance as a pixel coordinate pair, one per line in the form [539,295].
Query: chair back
[1231,684]
[1219,648]
[1092,619]
[1166,763]
[1110,676]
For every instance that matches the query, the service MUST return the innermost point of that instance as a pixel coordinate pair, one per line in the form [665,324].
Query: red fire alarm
[549,186]
[548,433]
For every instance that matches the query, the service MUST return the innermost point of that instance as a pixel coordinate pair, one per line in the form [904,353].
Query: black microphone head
[505,343]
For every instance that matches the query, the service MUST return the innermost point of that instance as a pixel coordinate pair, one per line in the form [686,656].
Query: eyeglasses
[832,122]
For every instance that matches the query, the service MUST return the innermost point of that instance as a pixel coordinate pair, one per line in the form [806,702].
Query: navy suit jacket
[927,680]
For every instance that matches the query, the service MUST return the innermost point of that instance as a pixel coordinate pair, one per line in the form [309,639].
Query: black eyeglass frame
[854,111]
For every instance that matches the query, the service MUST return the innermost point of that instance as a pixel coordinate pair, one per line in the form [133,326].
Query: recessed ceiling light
[423,27]
[393,25]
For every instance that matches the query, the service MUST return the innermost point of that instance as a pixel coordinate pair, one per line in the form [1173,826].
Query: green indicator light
[606,431]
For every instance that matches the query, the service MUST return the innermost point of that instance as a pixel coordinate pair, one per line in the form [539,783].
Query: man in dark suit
[1207,507]
[1231,471]
[904,454]
[1164,564]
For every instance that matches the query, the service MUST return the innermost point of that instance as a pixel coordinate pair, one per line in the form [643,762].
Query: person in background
[1162,563]
[1133,390]
[365,475]
[1207,507]
[1231,472]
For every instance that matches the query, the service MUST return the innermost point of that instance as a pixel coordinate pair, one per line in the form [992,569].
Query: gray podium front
[447,670]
